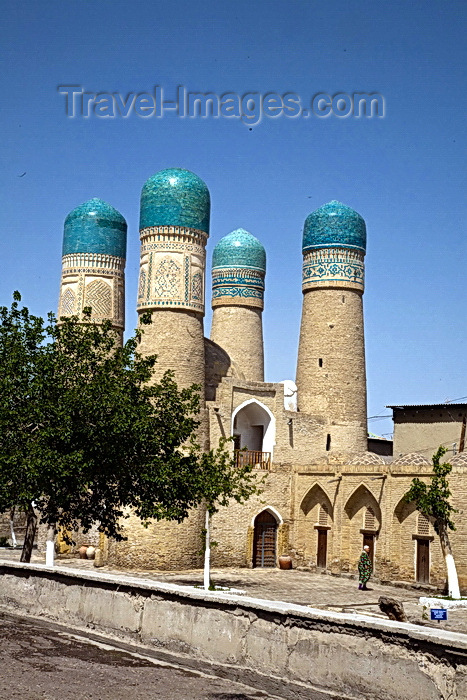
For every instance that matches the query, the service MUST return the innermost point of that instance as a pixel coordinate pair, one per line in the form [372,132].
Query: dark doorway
[370,541]
[322,553]
[423,561]
[264,541]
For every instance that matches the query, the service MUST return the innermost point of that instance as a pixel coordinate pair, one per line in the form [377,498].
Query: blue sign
[439,614]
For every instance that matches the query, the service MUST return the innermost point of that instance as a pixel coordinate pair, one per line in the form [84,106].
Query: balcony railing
[258,460]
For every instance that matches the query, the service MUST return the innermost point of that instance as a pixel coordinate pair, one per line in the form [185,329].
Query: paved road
[39,662]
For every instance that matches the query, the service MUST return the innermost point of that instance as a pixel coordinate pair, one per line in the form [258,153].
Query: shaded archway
[265,540]
[314,527]
[362,498]
[254,427]
[316,496]
[411,538]
[362,523]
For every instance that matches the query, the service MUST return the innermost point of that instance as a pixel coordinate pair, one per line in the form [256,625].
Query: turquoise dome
[239,249]
[95,227]
[175,197]
[334,226]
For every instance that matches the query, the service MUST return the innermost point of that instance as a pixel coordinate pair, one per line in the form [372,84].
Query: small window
[328,442]
[423,525]
[369,520]
[320,362]
[343,300]
[323,514]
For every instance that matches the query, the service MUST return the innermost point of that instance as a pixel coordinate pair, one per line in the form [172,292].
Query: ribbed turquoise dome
[334,226]
[95,227]
[175,197]
[239,249]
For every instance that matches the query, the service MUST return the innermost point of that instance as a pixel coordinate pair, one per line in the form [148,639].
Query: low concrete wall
[288,650]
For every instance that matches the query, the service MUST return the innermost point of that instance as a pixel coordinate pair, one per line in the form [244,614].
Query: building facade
[325,495]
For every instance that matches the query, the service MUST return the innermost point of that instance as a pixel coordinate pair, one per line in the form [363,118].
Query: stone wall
[282,649]
[161,545]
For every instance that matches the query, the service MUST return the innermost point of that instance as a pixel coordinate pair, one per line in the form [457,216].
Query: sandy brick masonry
[239,330]
[331,376]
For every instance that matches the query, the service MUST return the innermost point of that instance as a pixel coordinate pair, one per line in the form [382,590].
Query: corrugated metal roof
[426,405]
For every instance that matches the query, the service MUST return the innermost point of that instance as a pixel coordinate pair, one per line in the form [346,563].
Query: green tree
[85,434]
[432,500]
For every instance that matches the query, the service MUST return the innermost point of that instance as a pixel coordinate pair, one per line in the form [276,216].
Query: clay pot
[90,552]
[285,561]
[82,551]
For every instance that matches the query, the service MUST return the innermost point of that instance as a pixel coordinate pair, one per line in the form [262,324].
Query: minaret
[174,228]
[331,377]
[238,270]
[93,263]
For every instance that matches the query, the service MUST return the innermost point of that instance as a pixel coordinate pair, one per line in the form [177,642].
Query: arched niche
[316,496]
[403,510]
[254,427]
[362,498]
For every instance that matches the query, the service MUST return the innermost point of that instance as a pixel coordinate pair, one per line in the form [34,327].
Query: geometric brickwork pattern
[237,287]
[167,280]
[369,521]
[68,303]
[323,514]
[174,279]
[367,458]
[459,460]
[106,295]
[423,525]
[197,286]
[142,283]
[412,459]
[99,298]
[334,267]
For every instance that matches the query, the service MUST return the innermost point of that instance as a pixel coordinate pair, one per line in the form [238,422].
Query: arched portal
[265,540]
[411,542]
[315,526]
[363,521]
[254,428]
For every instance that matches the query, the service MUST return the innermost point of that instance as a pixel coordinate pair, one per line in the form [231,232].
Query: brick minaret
[331,376]
[174,228]
[238,270]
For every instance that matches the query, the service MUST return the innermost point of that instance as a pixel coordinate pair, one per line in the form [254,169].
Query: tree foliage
[432,500]
[85,433]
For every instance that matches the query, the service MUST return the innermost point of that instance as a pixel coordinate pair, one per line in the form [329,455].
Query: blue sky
[405,173]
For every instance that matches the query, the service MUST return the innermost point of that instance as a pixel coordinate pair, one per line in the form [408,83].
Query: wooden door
[264,541]
[423,561]
[370,541]
[321,556]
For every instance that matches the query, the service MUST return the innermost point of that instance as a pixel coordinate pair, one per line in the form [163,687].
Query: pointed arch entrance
[363,521]
[265,540]
[315,524]
[412,530]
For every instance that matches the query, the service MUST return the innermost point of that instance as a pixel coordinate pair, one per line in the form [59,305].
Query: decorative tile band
[237,287]
[153,234]
[172,268]
[93,260]
[333,267]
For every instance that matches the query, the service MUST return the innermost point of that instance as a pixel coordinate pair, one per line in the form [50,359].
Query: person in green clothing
[365,568]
